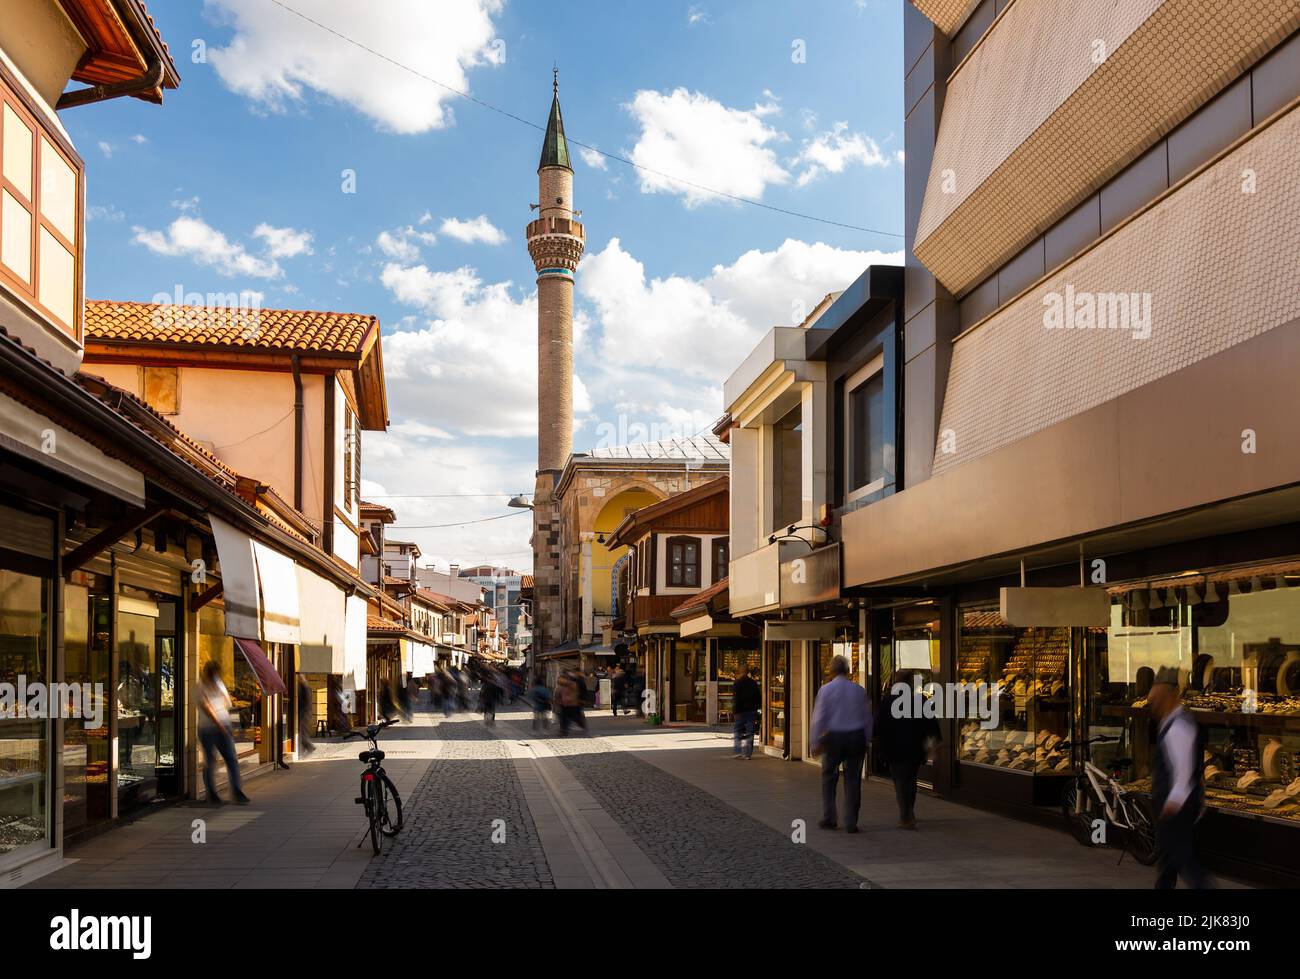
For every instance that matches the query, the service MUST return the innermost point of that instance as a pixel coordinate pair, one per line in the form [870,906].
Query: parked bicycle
[378,793]
[1095,794]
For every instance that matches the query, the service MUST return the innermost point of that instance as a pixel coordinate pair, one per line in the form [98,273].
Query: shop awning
[323,624]
[31,434]
[354,646]
[278,579]
[417,657]
[238,579]
[268,677]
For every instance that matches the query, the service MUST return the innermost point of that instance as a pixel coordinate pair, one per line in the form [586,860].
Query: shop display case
[1030,671]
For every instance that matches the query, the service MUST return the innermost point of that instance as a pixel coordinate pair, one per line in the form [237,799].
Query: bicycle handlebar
[371,731]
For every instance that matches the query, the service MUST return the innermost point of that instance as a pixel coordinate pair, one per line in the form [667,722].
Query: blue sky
[236,183]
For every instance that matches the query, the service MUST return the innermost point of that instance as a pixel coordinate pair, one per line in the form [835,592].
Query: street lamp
[520,502]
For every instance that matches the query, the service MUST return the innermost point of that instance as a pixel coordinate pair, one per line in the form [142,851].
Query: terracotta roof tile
[110,321]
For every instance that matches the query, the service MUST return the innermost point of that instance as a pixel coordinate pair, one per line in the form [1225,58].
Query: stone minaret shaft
[555,242]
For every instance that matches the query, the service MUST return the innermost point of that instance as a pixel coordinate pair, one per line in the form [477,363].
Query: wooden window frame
[687,580]
[15,96]
[720,545]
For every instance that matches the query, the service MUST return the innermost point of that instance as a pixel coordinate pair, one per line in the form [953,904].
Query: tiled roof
[217,326]
[375,623]
[701,599]
[706,448]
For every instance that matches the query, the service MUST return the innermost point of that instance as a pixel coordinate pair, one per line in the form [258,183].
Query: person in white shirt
[214,732]
[841,723]
[1176,787]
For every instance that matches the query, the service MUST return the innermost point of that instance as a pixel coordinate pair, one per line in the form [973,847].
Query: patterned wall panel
[1057,99]
[1217,262]
[944,14]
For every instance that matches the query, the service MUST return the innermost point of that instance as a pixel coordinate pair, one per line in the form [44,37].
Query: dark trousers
[216,740]
[904,775]
[742,732]
[1176,849]
[849,749]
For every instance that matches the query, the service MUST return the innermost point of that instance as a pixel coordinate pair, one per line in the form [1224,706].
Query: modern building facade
[1098,471]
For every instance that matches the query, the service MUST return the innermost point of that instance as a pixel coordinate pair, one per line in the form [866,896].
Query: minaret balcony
[555,226]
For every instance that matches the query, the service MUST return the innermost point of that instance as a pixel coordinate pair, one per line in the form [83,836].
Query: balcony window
[787,470]
[684,562]
[40,196]
[864,428]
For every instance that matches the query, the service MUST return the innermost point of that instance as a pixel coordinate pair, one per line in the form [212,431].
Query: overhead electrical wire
[611,156]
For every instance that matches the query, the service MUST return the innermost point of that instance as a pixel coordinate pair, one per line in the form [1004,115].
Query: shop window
[864,428]
[721,559]
[25,592]
[1234,640]
[683,562]
[40,190]
[731,655]
[1031,668]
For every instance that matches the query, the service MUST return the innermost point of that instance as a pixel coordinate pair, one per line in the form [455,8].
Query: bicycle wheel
[375,810]
[1141,835]
[391,813]
[1078,807]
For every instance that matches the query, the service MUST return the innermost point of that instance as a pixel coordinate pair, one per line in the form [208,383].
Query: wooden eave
[118,51]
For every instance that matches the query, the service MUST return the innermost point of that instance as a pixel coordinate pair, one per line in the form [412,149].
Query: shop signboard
[1043,607]
[811,578]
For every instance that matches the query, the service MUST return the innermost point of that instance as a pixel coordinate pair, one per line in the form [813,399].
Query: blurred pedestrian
[489,694]
[404,701]
[1177,791]
[568,698]
[906,743]
[745,701]
[540,697]
[387,705]
[840,723]
[215,735]
[618,689]
[306,718]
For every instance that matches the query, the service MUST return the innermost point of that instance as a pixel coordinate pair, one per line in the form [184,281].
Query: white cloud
[403,244]
[283,242]
[139,139]
[692,137]
[471,369]
[106,148]
[104,212]
[697,15]
[703,328]
[478,229]
[593,159]
[274,57]
[194,238]
[833,151]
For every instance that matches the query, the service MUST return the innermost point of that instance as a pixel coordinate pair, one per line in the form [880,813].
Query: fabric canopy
[354,648]
[279,586]
[323,624]
[268,677]
[417,657]
[239,580]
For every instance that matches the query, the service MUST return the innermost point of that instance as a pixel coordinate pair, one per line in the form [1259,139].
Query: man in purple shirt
[840,723]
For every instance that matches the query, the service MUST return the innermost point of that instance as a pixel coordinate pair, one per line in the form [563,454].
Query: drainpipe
[150,80]
[297,434]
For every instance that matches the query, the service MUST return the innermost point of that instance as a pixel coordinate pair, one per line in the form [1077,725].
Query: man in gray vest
[1176,786]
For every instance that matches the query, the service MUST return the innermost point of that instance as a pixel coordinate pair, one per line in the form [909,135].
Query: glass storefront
[1031,670]
[690,680]
[87,660]
[775,678]
[731,655]
[26,566]
[145,697]
[1234,639]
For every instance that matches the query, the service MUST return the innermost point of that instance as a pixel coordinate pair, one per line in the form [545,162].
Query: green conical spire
[555,148]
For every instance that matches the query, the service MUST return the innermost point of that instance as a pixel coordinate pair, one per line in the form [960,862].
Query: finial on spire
[555,78]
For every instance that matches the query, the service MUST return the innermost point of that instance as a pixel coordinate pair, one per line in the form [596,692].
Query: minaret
[555,243]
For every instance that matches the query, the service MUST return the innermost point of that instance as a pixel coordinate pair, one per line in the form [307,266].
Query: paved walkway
[627,806]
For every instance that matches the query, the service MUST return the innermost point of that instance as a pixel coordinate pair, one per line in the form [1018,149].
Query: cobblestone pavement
[693,838]
[447,837]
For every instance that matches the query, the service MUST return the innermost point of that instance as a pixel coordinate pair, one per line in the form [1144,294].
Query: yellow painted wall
[602,557]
